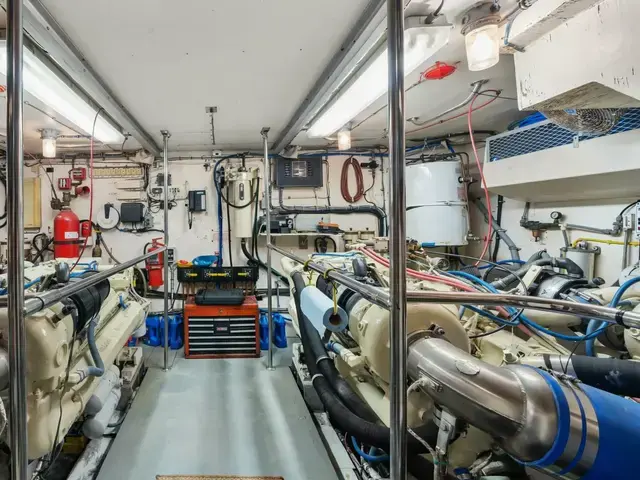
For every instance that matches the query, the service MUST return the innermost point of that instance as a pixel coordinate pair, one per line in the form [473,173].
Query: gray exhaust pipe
[516,406]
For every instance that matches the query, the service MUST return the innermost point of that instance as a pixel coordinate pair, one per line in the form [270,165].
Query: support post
[15,241]
[397,240]
[165,167]
[267,202]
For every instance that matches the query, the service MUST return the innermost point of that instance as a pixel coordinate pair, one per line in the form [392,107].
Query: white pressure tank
[437,208]
[242,184]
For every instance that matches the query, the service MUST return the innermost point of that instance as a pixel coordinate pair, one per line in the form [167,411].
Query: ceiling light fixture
[47,87]
[480,27]
[344,139]
[49,138]
[420,44]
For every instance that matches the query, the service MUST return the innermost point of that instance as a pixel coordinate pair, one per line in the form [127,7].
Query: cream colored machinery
[117,313]
[362,351]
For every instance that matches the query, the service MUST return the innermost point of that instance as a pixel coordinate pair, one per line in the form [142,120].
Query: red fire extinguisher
[155,263]
[66,234]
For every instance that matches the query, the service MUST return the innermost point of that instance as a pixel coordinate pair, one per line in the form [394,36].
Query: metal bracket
[211,111]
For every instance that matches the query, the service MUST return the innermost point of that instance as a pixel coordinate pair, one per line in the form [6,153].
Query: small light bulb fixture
[344,139]
[49,137]
[481,30]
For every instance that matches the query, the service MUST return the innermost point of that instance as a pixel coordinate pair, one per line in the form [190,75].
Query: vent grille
[545,135]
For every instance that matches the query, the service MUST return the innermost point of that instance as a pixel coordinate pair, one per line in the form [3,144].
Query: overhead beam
[368,30]
[49,35]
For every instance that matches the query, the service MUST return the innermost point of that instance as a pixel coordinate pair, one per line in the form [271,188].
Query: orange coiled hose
[344,180]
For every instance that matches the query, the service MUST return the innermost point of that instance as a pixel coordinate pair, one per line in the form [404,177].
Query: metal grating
[545,135]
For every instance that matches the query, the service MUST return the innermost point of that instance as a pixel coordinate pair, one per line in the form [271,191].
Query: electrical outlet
[171,255]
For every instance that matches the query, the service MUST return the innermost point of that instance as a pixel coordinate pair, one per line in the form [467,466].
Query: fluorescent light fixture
[47,87]
[344,139]
[49,138]
[420,44]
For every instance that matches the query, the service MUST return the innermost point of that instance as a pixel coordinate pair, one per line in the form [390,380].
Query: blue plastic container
[205,261]
[176,336]
[264,332]
[279,331]
[155,331]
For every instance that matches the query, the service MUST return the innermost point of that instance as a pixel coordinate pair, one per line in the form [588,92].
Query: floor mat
[212,477]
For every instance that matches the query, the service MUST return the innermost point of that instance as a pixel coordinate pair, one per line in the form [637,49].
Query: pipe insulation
[322,313]
[620,377]
[567,429]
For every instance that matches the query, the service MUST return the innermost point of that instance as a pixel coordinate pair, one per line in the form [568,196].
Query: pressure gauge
[555,215]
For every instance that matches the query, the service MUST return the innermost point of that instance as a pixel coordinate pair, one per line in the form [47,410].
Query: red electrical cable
[420,275]
[479,107]
[86,239]
[487,239]
[344,180]
[433,278]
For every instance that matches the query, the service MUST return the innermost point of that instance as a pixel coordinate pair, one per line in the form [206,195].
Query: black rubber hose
[254,261]
[370,433]
[620,377]
[325,365]
[565,263]
[348,210]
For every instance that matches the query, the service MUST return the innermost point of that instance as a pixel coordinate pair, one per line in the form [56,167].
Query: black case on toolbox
[233,296]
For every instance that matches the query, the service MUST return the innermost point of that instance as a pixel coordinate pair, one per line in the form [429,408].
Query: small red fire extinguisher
[155,263]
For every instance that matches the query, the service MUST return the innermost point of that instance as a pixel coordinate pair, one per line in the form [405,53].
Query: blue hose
[220,219]
[26,285]
[367,457]
[502,262]
[597,325]
[530,323]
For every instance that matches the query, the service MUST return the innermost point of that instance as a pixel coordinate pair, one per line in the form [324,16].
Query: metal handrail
[381,297]
[375,295]
[41,301]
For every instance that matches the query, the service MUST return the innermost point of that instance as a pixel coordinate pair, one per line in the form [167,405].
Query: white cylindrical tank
[437,208]
[95,427]
[109,381]
[585,258]
[242,196]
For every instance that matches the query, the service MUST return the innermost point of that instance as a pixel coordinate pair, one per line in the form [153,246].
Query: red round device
[439,71]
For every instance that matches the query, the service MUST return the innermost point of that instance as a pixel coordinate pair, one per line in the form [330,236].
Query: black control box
[197,201]
[131,212]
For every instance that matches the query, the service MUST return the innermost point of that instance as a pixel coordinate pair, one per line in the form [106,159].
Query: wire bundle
[344,181]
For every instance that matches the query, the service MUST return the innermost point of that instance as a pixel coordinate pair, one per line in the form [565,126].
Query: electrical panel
[299,172]
[171,255]
[197,201]
[160,179]
[131,212]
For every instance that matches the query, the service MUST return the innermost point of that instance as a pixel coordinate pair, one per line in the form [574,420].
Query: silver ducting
[513,404]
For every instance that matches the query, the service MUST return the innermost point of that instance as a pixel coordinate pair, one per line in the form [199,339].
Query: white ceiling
[167,61]
[253,59]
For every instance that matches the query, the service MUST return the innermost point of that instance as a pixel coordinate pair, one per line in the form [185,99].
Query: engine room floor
[215,417]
